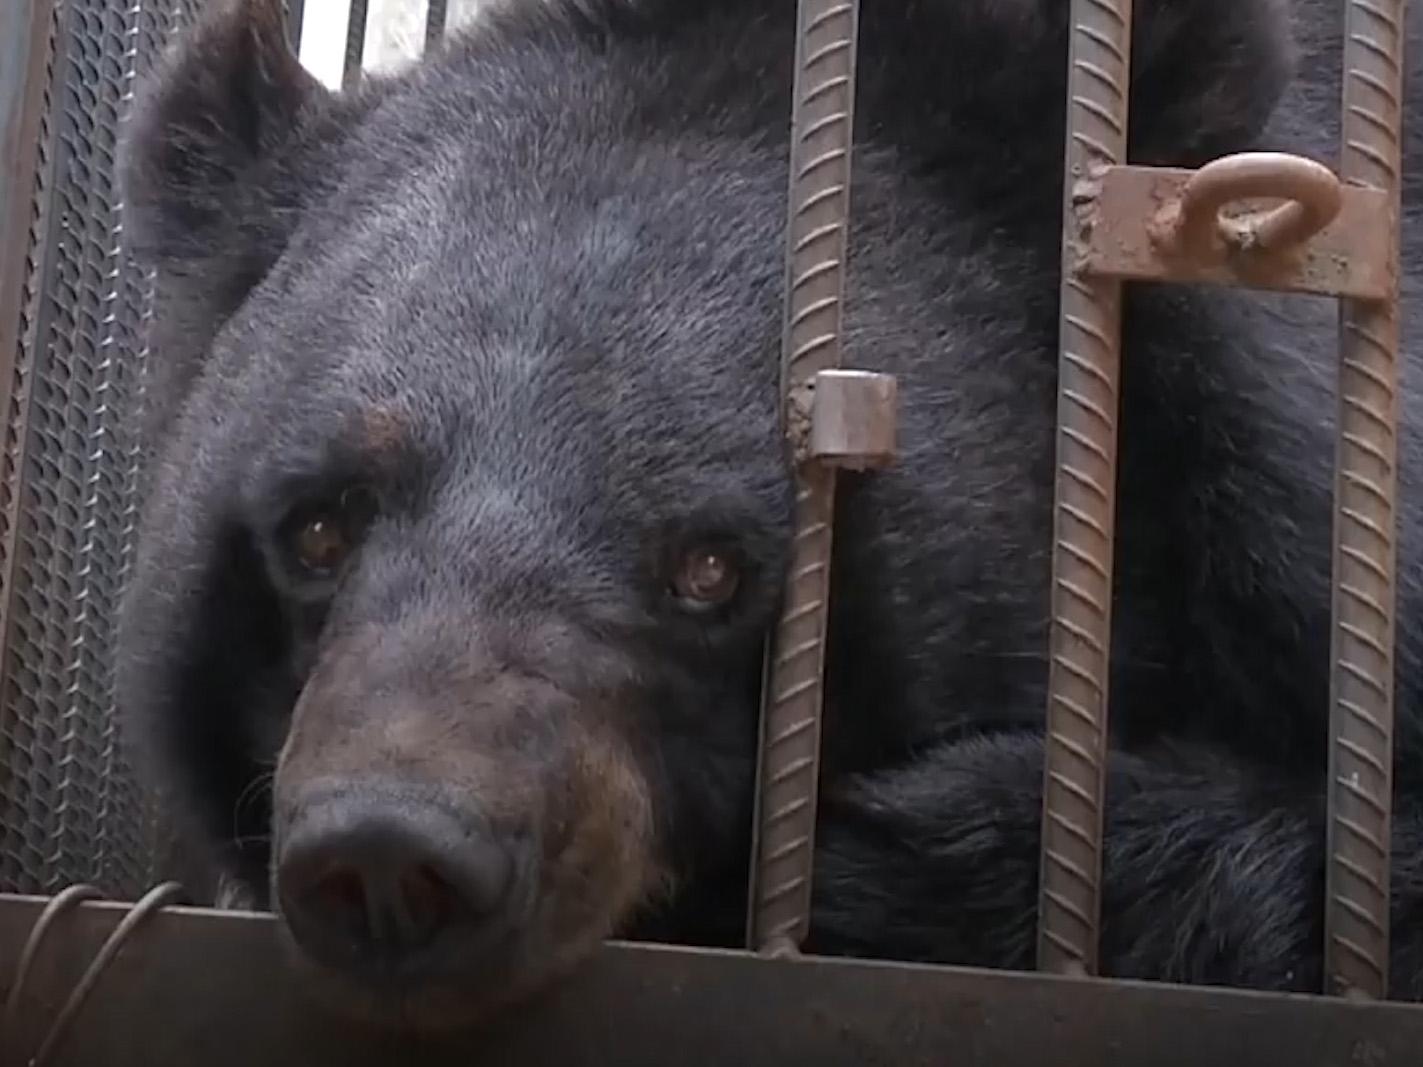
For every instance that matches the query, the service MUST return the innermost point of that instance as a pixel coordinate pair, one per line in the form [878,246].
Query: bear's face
[494,439]
[527,539]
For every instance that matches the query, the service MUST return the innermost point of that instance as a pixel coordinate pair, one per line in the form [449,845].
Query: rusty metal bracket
[852,419]
[1170,225]
[1195,226]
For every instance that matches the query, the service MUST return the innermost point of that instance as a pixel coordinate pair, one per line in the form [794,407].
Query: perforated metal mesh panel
[69,807]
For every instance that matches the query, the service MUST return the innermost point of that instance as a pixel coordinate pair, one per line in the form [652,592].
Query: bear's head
[467,510]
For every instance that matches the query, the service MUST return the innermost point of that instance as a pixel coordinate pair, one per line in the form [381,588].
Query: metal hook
[1197,228]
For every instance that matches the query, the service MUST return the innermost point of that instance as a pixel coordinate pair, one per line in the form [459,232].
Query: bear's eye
[706,577]
[323,538]
[321,544]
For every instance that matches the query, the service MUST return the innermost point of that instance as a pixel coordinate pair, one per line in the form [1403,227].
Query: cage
[167,980]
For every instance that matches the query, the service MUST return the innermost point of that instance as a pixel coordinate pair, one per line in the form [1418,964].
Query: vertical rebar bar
[1084,506]
[355,43]
[296,13]
[436,15]
[1361,679]
[821,137]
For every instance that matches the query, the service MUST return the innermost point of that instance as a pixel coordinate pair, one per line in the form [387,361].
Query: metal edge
[198,986]
[46,54]
[26,27]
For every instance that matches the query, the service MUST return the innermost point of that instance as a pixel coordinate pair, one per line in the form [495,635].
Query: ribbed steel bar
[1084,505]
[296,15]
[436,15]
[1361,681]
[821,137]
[355,43]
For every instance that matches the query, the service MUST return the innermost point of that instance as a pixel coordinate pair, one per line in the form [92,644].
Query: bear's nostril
[341,895]
[423,901]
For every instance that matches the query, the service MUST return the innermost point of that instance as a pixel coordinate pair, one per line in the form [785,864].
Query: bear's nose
[374,881]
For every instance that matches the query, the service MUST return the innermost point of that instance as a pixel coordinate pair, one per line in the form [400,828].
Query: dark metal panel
[201,987]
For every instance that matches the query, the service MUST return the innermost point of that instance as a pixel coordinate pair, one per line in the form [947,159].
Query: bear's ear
[211,135]
[216,168]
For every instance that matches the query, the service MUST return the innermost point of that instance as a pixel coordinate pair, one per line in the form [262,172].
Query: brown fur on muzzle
[551,775]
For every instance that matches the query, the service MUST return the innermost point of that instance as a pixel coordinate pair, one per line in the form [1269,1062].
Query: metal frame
[24,66]
[1336,236]
[211,988]
[1110,236]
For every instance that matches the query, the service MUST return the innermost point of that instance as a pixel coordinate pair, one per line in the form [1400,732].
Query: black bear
[467,509]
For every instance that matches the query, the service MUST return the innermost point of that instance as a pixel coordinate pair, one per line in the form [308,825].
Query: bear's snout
[452,825]
[385,880]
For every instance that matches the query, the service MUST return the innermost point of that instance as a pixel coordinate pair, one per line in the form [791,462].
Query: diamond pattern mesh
[69,808]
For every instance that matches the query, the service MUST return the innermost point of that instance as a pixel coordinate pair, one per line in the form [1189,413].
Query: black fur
[555,248]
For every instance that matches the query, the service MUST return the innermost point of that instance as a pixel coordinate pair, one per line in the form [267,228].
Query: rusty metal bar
[355,43]
[436,16]
[193,986]
[1361,680]
[1084,506]
[822,126]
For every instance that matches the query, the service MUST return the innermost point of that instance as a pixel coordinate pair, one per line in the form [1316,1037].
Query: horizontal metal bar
[1125,205]
[194,986]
